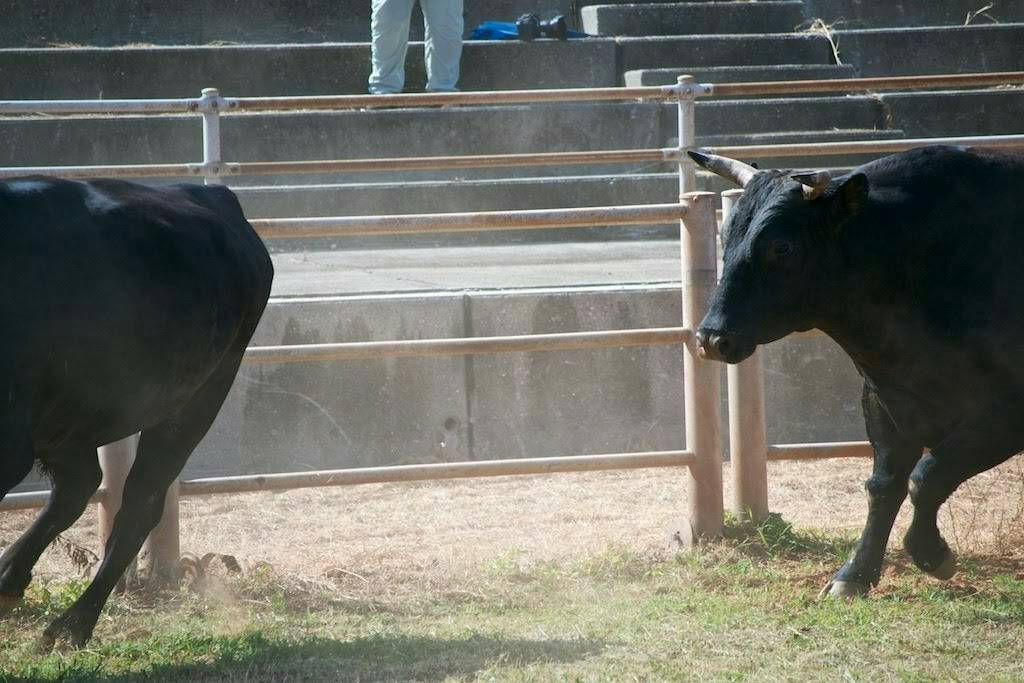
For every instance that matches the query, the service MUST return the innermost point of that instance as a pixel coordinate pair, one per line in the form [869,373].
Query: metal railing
[695,211]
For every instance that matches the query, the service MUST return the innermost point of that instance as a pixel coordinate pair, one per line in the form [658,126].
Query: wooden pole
[161,554]
[699,256]
[702,390]
[116,461]
[748,441]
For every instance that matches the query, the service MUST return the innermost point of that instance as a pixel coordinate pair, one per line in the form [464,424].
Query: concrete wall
[295,417]
[40,23]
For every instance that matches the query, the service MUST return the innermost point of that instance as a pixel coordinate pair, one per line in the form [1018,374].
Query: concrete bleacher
[347,414]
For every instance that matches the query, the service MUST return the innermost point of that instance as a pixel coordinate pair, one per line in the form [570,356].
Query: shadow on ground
[256,657]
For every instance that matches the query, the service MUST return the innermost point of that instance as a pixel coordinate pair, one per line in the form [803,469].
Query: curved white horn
[814,183]
[730,169]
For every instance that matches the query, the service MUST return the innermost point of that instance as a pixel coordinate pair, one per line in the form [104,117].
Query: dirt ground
[395,534]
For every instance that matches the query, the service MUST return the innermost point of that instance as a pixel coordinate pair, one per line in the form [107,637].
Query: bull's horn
[730,169]
[814,183]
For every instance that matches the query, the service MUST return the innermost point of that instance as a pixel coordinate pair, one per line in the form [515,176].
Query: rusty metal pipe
[435,471]
[533,219]
[820,451]
[621,156]
[304,353]
[866,84]
[863,146]
[449,99]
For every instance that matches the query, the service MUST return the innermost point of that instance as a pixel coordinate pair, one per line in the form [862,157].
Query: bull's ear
[848,199]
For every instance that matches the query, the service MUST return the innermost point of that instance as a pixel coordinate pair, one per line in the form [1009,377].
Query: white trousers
[390,29]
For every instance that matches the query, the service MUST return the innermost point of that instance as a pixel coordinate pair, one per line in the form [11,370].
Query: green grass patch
[745,608]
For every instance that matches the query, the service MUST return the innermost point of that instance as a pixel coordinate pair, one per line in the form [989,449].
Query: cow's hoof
[8,603]
[65,633]
[61,642]
[844,590]
[946,569]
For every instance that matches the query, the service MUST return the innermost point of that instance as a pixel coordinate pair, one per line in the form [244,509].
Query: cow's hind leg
[895,457]
[163,450]
[76,475]
[15,465]
[976,446]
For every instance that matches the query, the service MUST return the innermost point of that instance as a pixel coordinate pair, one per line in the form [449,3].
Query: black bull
[125,309]
[914,265]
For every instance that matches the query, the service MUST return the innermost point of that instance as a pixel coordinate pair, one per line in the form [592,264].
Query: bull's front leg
[894,460]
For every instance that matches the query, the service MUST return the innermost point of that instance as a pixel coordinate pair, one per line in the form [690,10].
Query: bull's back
[128,298]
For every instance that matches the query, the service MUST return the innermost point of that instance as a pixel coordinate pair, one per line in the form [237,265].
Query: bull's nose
[711,345]
[714,345]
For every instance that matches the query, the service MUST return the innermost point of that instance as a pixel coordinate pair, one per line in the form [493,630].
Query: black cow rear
[126,308]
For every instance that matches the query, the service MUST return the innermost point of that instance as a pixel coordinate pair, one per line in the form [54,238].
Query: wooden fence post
[702,383]
[116,462]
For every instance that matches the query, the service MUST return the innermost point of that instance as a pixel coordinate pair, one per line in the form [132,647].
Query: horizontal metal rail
[106,171]
[435,471]
[305,353]
[396,474]
[32,500]
[183,105]
[619,156]
[317,102]
[865,84]
[506,160]
[820,451]
[864,146]
[339,102]
[533,219]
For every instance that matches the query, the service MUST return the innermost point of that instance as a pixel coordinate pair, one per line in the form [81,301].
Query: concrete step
[693,18]
[41,23]
[322,69]
[857,14]
[343,68]
[393,133]
[734,74]
[429,196]
[934,50]
[728,50]
[327,199]
[339,68]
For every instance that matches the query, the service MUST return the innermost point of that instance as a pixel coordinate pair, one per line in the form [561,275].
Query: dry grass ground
[564,577]
[393,534]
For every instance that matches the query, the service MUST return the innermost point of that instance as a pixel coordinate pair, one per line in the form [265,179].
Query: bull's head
[780,243]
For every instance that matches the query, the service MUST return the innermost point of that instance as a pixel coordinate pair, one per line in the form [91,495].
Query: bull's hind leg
[15,465]
[978,445]
[163,450]
[76,476]
[895,457]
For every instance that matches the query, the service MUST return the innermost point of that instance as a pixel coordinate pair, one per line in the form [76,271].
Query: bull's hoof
[946,569]
[65,633]
[844,590]
[8,603]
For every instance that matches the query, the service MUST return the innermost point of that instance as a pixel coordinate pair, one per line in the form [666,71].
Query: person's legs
[443,19]
[389,27]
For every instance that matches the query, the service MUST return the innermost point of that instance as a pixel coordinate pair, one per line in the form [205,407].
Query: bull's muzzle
[722,346]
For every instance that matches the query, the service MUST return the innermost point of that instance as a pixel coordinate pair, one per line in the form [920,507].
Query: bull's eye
[779,249]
